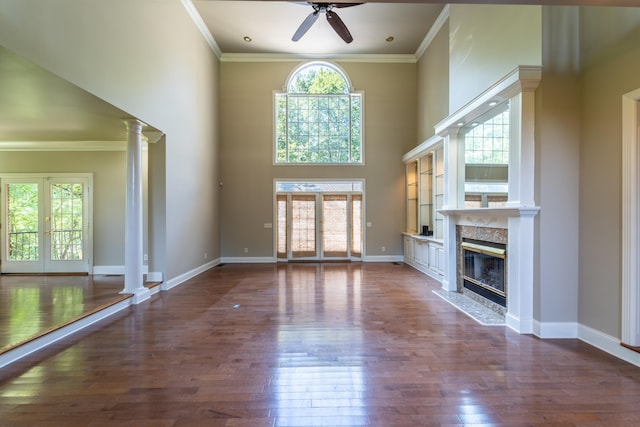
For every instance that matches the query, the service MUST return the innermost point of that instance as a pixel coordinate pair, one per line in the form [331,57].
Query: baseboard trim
[249,260]
[555,329]
[608,344]
[172,283]
[118,270]
[383,258]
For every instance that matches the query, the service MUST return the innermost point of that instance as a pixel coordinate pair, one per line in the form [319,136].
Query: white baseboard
[249,260]
[108,270]
[607,343]
[118,270]
[383,258]
[555,329]
[155,276]
[172,283]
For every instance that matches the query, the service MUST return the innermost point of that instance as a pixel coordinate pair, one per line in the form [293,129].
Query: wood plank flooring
[31,305]
[335,344]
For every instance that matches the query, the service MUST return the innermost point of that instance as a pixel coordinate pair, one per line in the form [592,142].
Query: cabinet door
[422,253]
[408,249]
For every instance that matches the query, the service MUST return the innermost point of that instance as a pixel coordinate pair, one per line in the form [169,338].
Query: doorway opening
[47,223]
[319,220]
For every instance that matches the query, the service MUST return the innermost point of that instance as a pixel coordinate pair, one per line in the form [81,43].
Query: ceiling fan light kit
[334,20]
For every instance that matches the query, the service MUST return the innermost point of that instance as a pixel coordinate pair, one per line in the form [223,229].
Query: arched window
[318,118]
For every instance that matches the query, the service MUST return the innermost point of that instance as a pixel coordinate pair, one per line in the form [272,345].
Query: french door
[319,226]
[46,224]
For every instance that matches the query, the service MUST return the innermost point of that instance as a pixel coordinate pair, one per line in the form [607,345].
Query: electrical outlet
[384,249]
[206,255]
[246,250]
[145,257]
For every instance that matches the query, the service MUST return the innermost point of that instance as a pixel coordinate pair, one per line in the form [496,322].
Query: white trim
[154,276]
[522,78]
[178,280]
[118,270]
[63,145]
[421,149]
[204,30]
[249,260]
[383,258]
[630,235]
[433,31]
[61,333]
[608,344]
[549,330]
[278,57]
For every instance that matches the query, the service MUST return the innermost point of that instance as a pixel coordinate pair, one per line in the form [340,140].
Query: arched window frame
[341,146]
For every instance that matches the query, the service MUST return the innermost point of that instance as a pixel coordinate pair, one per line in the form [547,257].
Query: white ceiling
[270,25]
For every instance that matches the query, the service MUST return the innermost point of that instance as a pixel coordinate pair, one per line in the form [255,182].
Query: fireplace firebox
[484,270]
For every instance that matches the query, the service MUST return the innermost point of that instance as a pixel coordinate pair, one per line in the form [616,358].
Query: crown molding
[197,19]
[63,145]
[277,57]
[433,31]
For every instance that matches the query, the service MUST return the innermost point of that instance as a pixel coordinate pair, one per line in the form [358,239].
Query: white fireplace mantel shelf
[526,211]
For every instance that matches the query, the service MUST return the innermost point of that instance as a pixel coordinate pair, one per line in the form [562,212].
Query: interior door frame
[88,215]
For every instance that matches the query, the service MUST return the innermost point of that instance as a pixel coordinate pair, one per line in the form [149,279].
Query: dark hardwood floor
[32,305]
[334,344]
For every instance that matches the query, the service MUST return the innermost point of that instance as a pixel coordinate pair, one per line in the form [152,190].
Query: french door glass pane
[22,227]
[303,226]
[282,225]
[66,221]
[335,225]
[356,225]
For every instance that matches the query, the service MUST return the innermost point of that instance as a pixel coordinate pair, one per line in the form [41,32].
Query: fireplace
[483,269]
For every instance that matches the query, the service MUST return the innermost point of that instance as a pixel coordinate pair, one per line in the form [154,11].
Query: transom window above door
[318,119]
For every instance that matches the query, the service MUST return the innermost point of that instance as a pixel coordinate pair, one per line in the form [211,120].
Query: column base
[138,295]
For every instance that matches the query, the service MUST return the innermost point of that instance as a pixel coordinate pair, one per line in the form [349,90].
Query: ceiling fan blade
[340,5]
[304,27]
[339,27]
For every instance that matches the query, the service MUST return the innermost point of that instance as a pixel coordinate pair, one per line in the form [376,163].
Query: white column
[630,219]
[133,272]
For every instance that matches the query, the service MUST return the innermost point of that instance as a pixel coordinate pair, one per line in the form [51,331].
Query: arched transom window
[318,118]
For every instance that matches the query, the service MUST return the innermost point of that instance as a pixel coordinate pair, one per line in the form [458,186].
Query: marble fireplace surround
[480,234]
[517,225]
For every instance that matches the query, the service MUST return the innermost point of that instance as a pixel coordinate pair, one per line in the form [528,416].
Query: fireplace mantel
[491,212]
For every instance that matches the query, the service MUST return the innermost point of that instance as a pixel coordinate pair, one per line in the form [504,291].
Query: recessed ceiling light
[389,39]
[493,103]
[247,39]
[460,124]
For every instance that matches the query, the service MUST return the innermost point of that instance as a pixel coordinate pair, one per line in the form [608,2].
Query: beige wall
[147,58]
[487,42]
[247,152]
[109,173]
[433,84]
[612,72]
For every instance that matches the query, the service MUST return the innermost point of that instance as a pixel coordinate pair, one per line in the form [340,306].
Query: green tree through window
[318,120]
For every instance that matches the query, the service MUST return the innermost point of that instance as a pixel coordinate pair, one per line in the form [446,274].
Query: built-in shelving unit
[423,246]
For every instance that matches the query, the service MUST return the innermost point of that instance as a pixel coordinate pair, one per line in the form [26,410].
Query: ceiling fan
[332,17]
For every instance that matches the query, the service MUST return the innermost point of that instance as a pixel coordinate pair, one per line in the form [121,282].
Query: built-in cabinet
[425,254]
[423,246]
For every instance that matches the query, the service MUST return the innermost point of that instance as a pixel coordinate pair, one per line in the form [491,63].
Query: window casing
[318,120]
